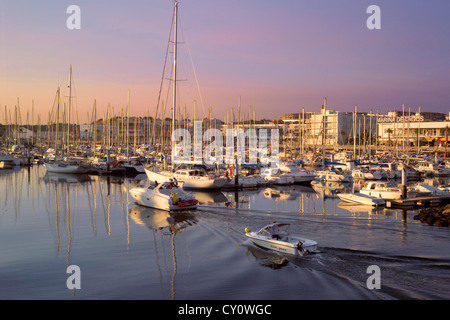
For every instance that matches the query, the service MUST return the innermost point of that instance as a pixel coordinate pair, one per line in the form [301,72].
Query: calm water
[49,222]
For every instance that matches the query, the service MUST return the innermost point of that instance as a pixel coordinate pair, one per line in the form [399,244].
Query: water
[49,222]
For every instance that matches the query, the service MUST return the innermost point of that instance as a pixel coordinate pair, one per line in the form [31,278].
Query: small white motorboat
[360,198]
[275,176]
[164,196]
[381,190]
[275,236]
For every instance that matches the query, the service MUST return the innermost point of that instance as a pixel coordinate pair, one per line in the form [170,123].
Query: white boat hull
[382,191]
[361,199]
[366,175]
[66,168]
[155,199]
[298,174]
[243,182]
[290,246]
[334,177]
[196,182]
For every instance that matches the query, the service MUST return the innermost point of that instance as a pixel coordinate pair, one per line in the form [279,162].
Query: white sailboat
[67,165]
[366,174]
[275,176]
[297,173]
[333,175]
[191,178]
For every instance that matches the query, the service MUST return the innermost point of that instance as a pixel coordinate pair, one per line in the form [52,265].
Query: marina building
[418,129]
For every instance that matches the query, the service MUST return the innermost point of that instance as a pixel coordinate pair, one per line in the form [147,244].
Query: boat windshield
[280,229]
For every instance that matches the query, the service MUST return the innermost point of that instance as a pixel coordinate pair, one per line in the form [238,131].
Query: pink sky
[278,56]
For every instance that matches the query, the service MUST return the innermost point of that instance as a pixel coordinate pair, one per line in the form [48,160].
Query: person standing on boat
[274,231]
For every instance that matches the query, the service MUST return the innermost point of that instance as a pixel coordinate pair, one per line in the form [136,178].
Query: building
[418,129]
[330,128]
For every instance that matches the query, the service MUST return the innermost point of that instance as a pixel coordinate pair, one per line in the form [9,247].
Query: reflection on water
[162,220]
[267,258]
[167,224]
[50,221]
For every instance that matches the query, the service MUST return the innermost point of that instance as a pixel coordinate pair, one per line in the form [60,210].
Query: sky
[275,57]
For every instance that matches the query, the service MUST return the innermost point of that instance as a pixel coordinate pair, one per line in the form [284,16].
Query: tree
[389,131]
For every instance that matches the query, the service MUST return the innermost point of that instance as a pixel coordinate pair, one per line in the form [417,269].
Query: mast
[174,69]
[57,121]
[70,100]
[354,132]
[418,135]
[95,125]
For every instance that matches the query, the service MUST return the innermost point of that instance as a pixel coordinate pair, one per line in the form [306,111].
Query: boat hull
[333,177]
[62,168]
[188,183]
[160,201]
[395,194]
[289,247]
[361,199]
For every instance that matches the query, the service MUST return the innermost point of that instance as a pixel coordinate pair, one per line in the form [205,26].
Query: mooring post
[236,174]
[404,192]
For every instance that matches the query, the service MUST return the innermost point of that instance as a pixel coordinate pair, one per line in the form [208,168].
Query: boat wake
[401,277]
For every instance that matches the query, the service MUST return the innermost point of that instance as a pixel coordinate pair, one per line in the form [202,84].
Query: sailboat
[299,174]
[192,178]
[68,165]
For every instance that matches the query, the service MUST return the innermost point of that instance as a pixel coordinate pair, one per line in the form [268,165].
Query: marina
[158,199]
[50,221]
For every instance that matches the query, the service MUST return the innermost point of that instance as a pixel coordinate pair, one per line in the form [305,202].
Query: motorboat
[361,198]
[298,173]
[275,176]
[164,196]
[8,161]
[334,175]
[133,166]
[366,174]
[329,188]
[275,236]
[427,190]
[244,182]
[431,169]
[193,178]
[381,190]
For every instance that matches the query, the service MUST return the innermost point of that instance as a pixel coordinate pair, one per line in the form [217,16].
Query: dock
[417,201]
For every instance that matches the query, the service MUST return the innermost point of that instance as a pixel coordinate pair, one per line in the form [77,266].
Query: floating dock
[418,201]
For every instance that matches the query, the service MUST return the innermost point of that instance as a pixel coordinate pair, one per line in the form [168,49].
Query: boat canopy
[283,228]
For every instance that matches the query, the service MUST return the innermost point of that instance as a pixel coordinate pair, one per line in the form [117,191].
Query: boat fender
[230,172]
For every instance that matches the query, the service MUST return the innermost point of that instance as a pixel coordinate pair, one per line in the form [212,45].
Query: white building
[338,128]
[412,130]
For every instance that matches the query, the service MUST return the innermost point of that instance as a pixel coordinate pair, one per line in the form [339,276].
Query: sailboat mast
[174,68]
[68,116]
